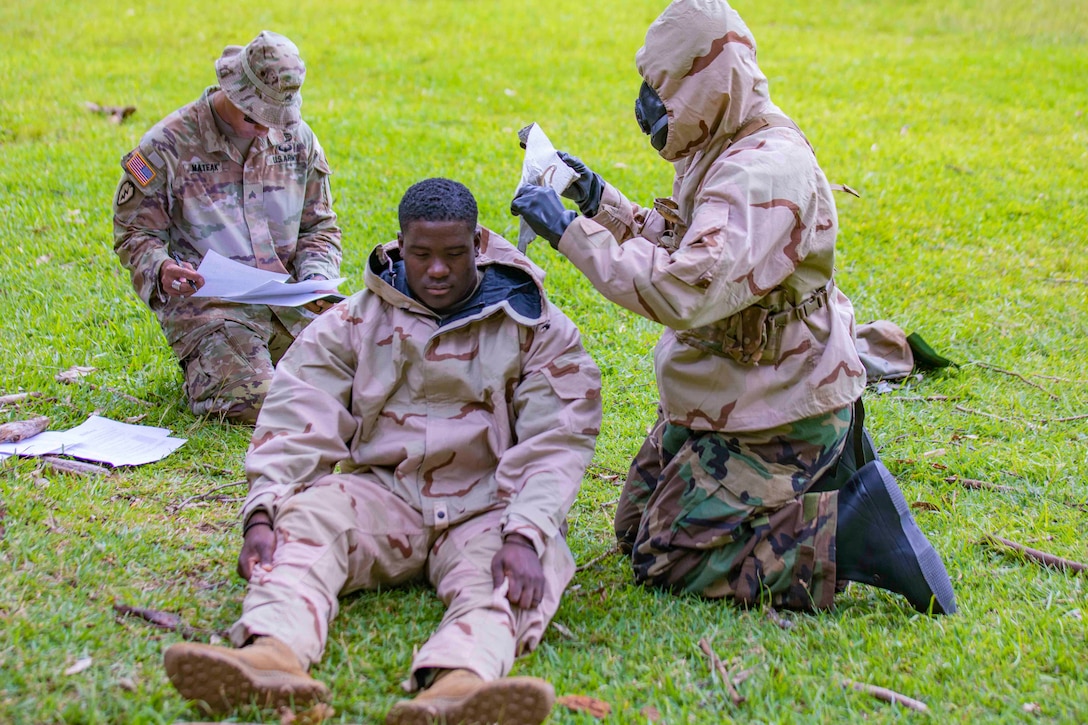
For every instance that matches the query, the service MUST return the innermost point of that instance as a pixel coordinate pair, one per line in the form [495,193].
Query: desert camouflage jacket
[494,406]
[737,264]
[186,190]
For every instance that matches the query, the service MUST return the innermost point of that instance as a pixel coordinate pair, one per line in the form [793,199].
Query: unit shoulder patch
[125,192]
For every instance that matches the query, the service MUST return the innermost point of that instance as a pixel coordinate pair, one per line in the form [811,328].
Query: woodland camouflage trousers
[727,514]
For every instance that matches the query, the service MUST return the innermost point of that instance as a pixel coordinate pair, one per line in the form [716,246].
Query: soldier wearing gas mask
[738,491]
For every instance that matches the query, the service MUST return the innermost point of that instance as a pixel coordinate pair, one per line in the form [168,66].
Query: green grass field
[964,125]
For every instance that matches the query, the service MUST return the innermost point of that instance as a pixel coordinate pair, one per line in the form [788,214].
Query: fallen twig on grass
[126,396]
[883,693]
[972,483]
[163,620]
[609,474]
[79,468]
[598,559]
[718,666]
[1021,421]
[204,496]
[17,398]
[18,430]
[1034,554]
[975,484]
[610,504]
[1059,380]
[1044,421]
[919,398]
[1016,375]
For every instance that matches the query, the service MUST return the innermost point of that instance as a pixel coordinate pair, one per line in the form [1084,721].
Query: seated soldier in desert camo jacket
[462,411]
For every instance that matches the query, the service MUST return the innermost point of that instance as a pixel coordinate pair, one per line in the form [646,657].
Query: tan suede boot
[461,697]
[266,674]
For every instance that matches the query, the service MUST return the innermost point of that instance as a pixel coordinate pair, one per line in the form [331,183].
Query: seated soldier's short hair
[437,200]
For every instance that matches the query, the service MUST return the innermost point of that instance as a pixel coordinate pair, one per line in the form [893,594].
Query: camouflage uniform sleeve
[141,224]
[557,408]
[734,252]
[318,249]
[625,219]
[305,424]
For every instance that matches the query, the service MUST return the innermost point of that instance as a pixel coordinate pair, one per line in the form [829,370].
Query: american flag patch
[139,168]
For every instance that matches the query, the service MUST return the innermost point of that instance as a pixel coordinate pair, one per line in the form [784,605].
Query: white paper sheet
[229,280]
[102,440]
[542,167]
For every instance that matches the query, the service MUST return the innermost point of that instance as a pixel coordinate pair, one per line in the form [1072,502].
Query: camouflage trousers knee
[728,514]
[228,367]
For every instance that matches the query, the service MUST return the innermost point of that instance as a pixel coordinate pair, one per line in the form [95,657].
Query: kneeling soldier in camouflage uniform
[462,412]
[240,173]
[757,369]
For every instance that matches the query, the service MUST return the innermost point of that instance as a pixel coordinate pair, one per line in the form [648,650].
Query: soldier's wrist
[260,517]
[519,540]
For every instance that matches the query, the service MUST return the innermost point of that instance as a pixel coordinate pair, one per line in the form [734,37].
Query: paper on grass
[542,167]
[102,440]
[236,282]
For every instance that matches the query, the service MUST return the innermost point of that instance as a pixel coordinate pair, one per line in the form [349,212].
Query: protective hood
[509,281]
[700,57]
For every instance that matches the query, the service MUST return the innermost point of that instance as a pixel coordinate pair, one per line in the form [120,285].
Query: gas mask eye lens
[652,116]
[641,119]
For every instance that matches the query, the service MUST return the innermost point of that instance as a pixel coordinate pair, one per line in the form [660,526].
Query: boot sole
[508,701]
[223,683]
[942,598]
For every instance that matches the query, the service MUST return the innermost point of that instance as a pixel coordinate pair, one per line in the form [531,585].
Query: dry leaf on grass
[924,506]
[584,703]
[116,114]
[81,664]
[319,713]
[74,373]
[18,430]
[651,713]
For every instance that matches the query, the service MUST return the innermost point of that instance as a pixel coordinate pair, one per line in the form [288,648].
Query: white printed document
[236,282]
[102,440]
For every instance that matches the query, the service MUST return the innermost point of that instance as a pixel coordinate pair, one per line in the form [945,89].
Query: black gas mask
[651,115]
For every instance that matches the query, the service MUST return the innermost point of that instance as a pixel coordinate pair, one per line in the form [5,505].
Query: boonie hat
[263,79]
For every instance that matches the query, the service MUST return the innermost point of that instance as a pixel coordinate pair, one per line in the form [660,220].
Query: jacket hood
[700,57]
[508,280]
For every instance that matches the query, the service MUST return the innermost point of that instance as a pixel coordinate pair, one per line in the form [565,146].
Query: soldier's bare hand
[258,546]
[518,563]
[179,280]
[319,306]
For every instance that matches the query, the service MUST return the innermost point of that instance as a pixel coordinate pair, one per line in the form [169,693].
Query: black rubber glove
[542,208]
[586,190]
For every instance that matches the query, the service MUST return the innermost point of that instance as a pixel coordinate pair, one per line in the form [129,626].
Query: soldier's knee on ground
[227,372]
[239,404]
